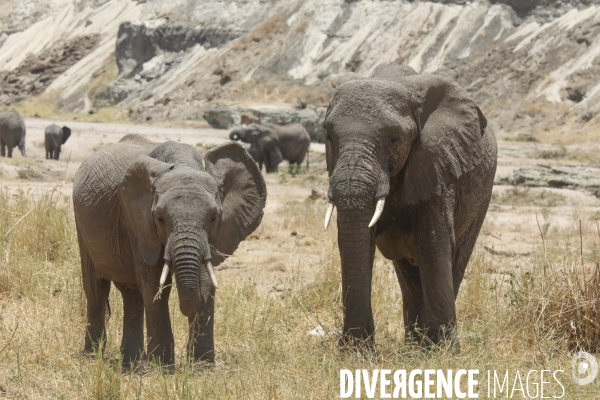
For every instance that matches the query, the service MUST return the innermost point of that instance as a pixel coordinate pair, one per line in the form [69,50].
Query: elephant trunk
[187,254]
[234,135]
[357,248]
[358,186]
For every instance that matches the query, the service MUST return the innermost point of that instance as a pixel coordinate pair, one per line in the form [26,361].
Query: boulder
[223,117]
[562,177]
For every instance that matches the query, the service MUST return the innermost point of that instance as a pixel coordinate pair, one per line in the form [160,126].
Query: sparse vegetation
[507,321]
[522,137]
[525,196]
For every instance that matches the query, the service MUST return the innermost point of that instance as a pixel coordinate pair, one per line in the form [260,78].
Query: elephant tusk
[163,276]
[378,211]
[211,273]
[328,215]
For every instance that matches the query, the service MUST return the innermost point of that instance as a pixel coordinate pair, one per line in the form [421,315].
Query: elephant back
[293,140]
[95,203]
[12,127]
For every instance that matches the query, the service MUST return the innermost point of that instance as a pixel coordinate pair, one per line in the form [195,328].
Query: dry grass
[563,304]
[262,347]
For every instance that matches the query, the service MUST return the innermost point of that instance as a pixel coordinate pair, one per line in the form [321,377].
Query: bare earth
[283,242]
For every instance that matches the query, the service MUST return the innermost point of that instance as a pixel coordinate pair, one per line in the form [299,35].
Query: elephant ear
[66,133]
[450,138]
[135,194]
[243,194]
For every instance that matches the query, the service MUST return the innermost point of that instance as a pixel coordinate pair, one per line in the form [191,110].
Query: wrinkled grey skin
[140,204]
[271,144]
[54,138]
[422,143]
[12,133]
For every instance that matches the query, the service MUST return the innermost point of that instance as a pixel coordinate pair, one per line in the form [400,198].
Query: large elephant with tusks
[411,161]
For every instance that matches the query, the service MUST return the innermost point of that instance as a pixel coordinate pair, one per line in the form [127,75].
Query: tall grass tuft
[563,305]
[35,233]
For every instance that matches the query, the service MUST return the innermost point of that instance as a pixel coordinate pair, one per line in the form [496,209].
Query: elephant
[54,138]
[271,144]
[411,162]
[12,133]
[252,149]
[146,210]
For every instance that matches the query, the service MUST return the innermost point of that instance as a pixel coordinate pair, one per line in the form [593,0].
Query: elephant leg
[435,250]
[57,153]
[276,159]
[96,292]
[10,149]
[464,248]
[161,345]
[298,160]
[267,162]
[132,343]
[409,278]
[3,149]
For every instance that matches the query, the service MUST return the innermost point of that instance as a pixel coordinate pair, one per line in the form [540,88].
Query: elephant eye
[161,221]
[213,218]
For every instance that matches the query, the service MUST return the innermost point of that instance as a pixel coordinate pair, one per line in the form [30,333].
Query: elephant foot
[93,346]
[163,361]
[204,356]
[361,345]
[130,361]
[433,339]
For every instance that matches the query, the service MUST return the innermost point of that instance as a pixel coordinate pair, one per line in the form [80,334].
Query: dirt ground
[511,233]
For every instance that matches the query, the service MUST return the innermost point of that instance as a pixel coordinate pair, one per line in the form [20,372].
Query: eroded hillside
[531,64]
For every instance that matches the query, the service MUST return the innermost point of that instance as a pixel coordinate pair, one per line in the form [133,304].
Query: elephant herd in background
[270,143]
[13,133]
[411,161]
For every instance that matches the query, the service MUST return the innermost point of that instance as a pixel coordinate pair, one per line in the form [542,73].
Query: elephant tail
[307,157]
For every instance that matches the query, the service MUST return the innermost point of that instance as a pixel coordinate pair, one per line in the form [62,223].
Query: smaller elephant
[55,137]
[12,133]
[270,144]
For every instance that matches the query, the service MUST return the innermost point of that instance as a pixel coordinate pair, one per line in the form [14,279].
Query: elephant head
[191,216]
[395,134]
[66,133]
[264,141]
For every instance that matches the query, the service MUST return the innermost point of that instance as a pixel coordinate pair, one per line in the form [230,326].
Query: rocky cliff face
[531,64]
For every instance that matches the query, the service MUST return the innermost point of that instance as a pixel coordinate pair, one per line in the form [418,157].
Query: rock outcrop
[561,177]
[36,73]
[532,65]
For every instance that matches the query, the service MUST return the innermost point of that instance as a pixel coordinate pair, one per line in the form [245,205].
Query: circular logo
[585,368]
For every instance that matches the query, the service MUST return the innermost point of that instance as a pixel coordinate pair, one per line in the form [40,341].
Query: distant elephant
[12,133]
[275,143]
[55,137]
[146,210]
[411,162]
[255,153]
